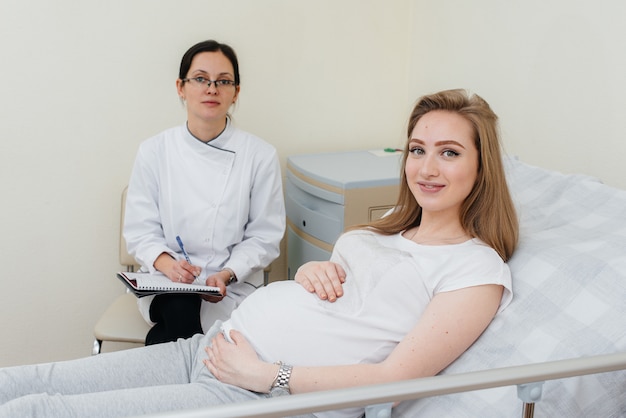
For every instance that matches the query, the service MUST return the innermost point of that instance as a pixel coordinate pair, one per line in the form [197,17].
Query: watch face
[232,277]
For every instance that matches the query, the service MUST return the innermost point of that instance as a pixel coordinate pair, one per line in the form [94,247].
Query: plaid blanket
[569,282]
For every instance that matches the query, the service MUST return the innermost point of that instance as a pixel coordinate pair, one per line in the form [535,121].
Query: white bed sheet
[569,280]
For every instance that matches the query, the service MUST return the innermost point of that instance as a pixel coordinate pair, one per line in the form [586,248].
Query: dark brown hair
[209,46]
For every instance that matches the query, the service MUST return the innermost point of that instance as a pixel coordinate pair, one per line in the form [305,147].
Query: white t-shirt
[389,282]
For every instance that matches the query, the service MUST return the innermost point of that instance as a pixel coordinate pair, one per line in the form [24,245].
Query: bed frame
[528,378]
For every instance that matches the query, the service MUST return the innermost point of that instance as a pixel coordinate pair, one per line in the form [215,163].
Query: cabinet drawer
[300,251]
[312,214]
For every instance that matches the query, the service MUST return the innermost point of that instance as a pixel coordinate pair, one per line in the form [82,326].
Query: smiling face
[442,164]
[208,104]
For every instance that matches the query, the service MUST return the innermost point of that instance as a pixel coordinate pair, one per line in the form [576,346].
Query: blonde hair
[488,212]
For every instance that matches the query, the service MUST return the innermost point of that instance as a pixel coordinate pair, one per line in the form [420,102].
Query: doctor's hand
[179,271]
[219,280]
[238,364]
[323,278]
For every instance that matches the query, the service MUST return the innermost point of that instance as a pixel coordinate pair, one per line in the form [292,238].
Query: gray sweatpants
[157,378]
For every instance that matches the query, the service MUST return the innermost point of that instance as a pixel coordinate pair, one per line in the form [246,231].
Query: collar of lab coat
[218,143]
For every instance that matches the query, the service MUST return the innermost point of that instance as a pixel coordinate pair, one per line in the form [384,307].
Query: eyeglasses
[201,82]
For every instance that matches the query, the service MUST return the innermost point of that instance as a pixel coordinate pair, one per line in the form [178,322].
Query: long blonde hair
[488,212]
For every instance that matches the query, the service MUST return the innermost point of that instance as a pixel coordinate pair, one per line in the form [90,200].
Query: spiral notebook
[146,284]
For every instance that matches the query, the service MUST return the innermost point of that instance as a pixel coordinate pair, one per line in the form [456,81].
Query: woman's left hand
[323,278]
[238,364]
[217,280]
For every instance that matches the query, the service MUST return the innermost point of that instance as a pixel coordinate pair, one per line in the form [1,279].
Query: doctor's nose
[212,88]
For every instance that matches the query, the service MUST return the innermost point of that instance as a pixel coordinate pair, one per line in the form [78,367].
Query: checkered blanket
[569,282]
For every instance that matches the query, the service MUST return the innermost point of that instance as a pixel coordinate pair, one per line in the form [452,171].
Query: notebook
[146,284]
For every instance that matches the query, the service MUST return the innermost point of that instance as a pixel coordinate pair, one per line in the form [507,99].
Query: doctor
[213,185]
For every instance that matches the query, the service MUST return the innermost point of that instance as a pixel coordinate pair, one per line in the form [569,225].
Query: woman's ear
[237,88]
[180,88]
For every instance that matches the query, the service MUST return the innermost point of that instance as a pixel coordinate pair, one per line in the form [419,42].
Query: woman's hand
[324,278]
[176,270]
[238,364]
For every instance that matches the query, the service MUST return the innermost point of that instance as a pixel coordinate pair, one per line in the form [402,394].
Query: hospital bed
[559,349]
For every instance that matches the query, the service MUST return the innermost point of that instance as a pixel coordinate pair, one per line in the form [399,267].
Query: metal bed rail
[379,398]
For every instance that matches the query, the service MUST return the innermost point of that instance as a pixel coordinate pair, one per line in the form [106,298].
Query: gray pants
[158,378]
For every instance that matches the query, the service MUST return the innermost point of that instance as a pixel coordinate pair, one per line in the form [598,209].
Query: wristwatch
[232,277]
[281,381]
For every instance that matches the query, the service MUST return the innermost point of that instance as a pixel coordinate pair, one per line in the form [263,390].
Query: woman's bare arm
[450,324]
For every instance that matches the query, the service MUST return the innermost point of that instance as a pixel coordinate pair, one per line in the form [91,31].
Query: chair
[121,322]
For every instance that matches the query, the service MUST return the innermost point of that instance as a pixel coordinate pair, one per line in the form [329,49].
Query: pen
[182,248]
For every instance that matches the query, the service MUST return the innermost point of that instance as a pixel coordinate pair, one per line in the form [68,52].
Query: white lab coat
[223,198]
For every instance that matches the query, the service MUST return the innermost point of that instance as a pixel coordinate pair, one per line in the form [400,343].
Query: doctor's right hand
[323,278]
[176,270]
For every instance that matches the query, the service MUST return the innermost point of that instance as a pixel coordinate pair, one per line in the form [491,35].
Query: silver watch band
[282,377]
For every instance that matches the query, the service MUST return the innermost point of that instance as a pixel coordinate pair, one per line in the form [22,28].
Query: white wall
[84,81]
[552,70]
